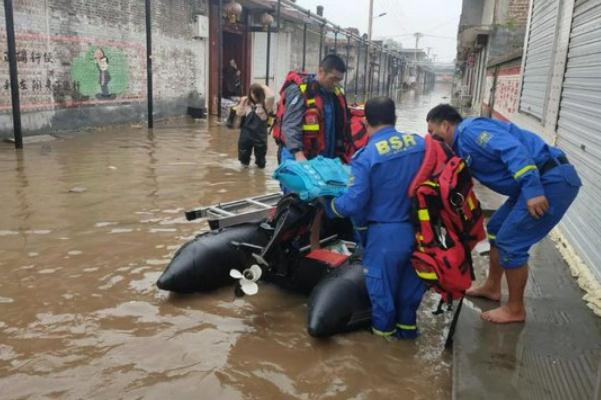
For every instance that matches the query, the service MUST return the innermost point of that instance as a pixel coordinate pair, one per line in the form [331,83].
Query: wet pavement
[90,220]
[555,355]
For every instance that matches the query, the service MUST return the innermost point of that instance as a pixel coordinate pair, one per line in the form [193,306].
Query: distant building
[419,72]
[488,30]
[444,72]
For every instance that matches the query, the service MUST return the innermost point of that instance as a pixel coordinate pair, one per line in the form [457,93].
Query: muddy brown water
[88,223]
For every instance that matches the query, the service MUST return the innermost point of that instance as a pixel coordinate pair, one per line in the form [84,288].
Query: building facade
[489,31]
[83,64]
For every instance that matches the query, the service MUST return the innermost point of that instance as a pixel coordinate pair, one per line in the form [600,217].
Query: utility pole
[268,59]
[304,47]
[348,50]
[149,95]
[418,36]
[371,19]
[12,66]
[220,57]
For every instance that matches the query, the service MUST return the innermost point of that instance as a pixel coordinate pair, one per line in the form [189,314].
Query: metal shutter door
[579,130]
[539,57]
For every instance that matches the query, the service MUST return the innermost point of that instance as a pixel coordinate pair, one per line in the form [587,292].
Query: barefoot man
[541,185]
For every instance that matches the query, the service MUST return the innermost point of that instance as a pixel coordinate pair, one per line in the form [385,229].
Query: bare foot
[485,292]
[504,315]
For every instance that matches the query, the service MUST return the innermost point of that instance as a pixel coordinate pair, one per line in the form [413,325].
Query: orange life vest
[313,128]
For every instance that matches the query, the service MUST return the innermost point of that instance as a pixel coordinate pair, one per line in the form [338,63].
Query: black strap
[439,310]
[552,163]
[449,341]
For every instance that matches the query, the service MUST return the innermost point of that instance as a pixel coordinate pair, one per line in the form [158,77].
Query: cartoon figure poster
[102,72]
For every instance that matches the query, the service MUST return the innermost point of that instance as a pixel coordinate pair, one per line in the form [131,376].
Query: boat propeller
[247,280]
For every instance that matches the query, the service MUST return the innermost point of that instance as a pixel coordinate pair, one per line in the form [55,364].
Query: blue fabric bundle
[311,179]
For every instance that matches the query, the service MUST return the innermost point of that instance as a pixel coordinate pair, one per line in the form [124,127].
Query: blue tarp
[318,177]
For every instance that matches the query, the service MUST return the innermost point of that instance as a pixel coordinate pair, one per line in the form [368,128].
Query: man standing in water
[313,118]
[381,174]
[541,185]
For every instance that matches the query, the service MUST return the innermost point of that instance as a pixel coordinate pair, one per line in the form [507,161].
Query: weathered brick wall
[517,11]
[510,27]
[83,63]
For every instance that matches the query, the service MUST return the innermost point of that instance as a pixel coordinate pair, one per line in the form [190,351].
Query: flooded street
[90,220]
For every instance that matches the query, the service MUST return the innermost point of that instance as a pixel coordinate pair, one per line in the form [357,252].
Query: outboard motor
[292,220]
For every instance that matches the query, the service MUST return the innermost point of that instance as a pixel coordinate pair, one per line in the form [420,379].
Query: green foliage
[511,23]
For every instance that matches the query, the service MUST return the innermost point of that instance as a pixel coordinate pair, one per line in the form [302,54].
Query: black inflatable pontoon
[279,244]
[203,263]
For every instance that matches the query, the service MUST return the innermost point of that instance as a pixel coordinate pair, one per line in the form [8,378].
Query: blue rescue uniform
[518,164]
[381,174]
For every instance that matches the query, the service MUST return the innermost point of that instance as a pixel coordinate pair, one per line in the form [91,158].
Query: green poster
[102,72]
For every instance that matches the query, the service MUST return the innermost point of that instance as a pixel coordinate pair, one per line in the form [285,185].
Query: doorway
[236,46]
[233,52]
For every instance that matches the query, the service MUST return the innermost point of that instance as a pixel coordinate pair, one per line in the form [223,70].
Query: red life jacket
[313,128]
[358,127]
[448,221]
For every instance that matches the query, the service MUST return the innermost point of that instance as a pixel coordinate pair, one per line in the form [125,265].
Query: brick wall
[517,11]
[511,17]
[83,63]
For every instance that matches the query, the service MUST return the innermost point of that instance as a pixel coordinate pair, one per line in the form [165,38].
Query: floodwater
[88,223]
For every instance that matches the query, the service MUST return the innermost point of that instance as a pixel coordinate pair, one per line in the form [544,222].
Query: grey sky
[439,18]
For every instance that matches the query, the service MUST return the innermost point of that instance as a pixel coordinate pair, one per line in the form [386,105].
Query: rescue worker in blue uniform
[381,174]
[539,181]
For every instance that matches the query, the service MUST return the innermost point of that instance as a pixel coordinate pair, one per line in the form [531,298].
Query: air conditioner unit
[201,26]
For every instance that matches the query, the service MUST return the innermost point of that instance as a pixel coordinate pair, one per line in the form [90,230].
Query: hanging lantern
[266,20]
[233,10]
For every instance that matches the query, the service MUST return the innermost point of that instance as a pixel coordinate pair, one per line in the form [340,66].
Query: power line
[441,24]
[422,34]
[398,15]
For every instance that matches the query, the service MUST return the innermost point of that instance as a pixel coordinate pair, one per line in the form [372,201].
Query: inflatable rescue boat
[275,245]
[288,242]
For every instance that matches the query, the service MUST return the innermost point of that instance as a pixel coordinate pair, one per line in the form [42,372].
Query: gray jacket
[292,120]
